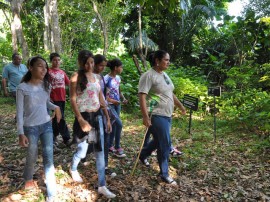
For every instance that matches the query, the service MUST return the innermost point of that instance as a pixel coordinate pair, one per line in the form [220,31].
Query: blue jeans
[116,127]
[100,163]
[45,134]
[160,128]
[147,140]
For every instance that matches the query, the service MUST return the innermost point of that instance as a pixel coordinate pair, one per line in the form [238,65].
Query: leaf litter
[226,174]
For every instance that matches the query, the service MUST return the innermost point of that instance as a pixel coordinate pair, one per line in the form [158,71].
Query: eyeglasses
[166,79]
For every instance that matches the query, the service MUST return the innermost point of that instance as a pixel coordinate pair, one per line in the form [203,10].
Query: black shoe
[68,142]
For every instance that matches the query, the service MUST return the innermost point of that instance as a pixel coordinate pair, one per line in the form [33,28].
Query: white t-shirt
[159,88]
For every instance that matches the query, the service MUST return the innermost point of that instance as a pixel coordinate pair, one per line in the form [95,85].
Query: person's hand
[109,127]
[58,114]
[85,126]
[183,111]
[147,121]
[115,102]
[125,101]
[23,140]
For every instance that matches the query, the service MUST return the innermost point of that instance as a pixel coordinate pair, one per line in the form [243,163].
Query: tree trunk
[47,38]
[14,37]
[13,32]
[16,9]
[143,58]
[103,25]
[140,50]
[54,26]
[140,27]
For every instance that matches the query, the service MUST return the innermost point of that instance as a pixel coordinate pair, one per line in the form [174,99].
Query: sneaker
[85,162]
[175,152]
[168,180]
[154,153]
[76,176]
[110,172]
[120,153]
[145,162]
[112,150]
[106,192]
[50,199]
[68,142]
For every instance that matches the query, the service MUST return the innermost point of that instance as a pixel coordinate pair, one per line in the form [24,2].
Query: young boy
[59,81]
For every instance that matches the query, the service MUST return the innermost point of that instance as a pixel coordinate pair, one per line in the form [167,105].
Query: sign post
[192,104]
[214,91]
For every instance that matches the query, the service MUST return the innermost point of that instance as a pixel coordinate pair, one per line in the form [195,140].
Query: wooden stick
[136,162]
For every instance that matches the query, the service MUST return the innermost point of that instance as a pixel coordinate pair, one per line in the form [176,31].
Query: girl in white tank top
[86,99]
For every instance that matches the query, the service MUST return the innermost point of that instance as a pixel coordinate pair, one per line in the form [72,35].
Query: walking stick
[136,162]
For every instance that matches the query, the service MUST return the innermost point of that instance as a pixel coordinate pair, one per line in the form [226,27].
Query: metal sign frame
[214,91]
[191,103]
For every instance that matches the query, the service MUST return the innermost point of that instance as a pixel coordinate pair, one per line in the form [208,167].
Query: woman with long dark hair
[86,101]
[34,122]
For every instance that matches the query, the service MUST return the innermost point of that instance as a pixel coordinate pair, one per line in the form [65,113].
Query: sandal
[176,153]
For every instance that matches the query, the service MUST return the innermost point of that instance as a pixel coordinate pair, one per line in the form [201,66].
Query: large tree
[109,15]
[52,32]
[17,28]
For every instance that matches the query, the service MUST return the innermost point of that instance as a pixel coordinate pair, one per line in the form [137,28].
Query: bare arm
[179,105]
[85,126]
[125,101]
[4,84]
[143,106]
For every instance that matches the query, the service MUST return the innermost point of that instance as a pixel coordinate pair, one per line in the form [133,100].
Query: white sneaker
[106,192]
[76,176]
[50,199]
[110,173]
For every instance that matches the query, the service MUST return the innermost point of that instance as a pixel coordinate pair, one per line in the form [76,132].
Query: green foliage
[33,25]
[189,81]
[130,80]
[134,43]
[69,63]
[242,78]
[265,79]
[250,108]
[5,50]
[78,28]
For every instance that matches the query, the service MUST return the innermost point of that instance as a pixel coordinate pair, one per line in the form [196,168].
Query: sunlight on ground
[67,190]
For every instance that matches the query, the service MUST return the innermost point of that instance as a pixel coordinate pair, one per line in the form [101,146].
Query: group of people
[96,102]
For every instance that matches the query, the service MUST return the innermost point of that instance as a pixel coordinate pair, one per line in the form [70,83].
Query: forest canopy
[233,54]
